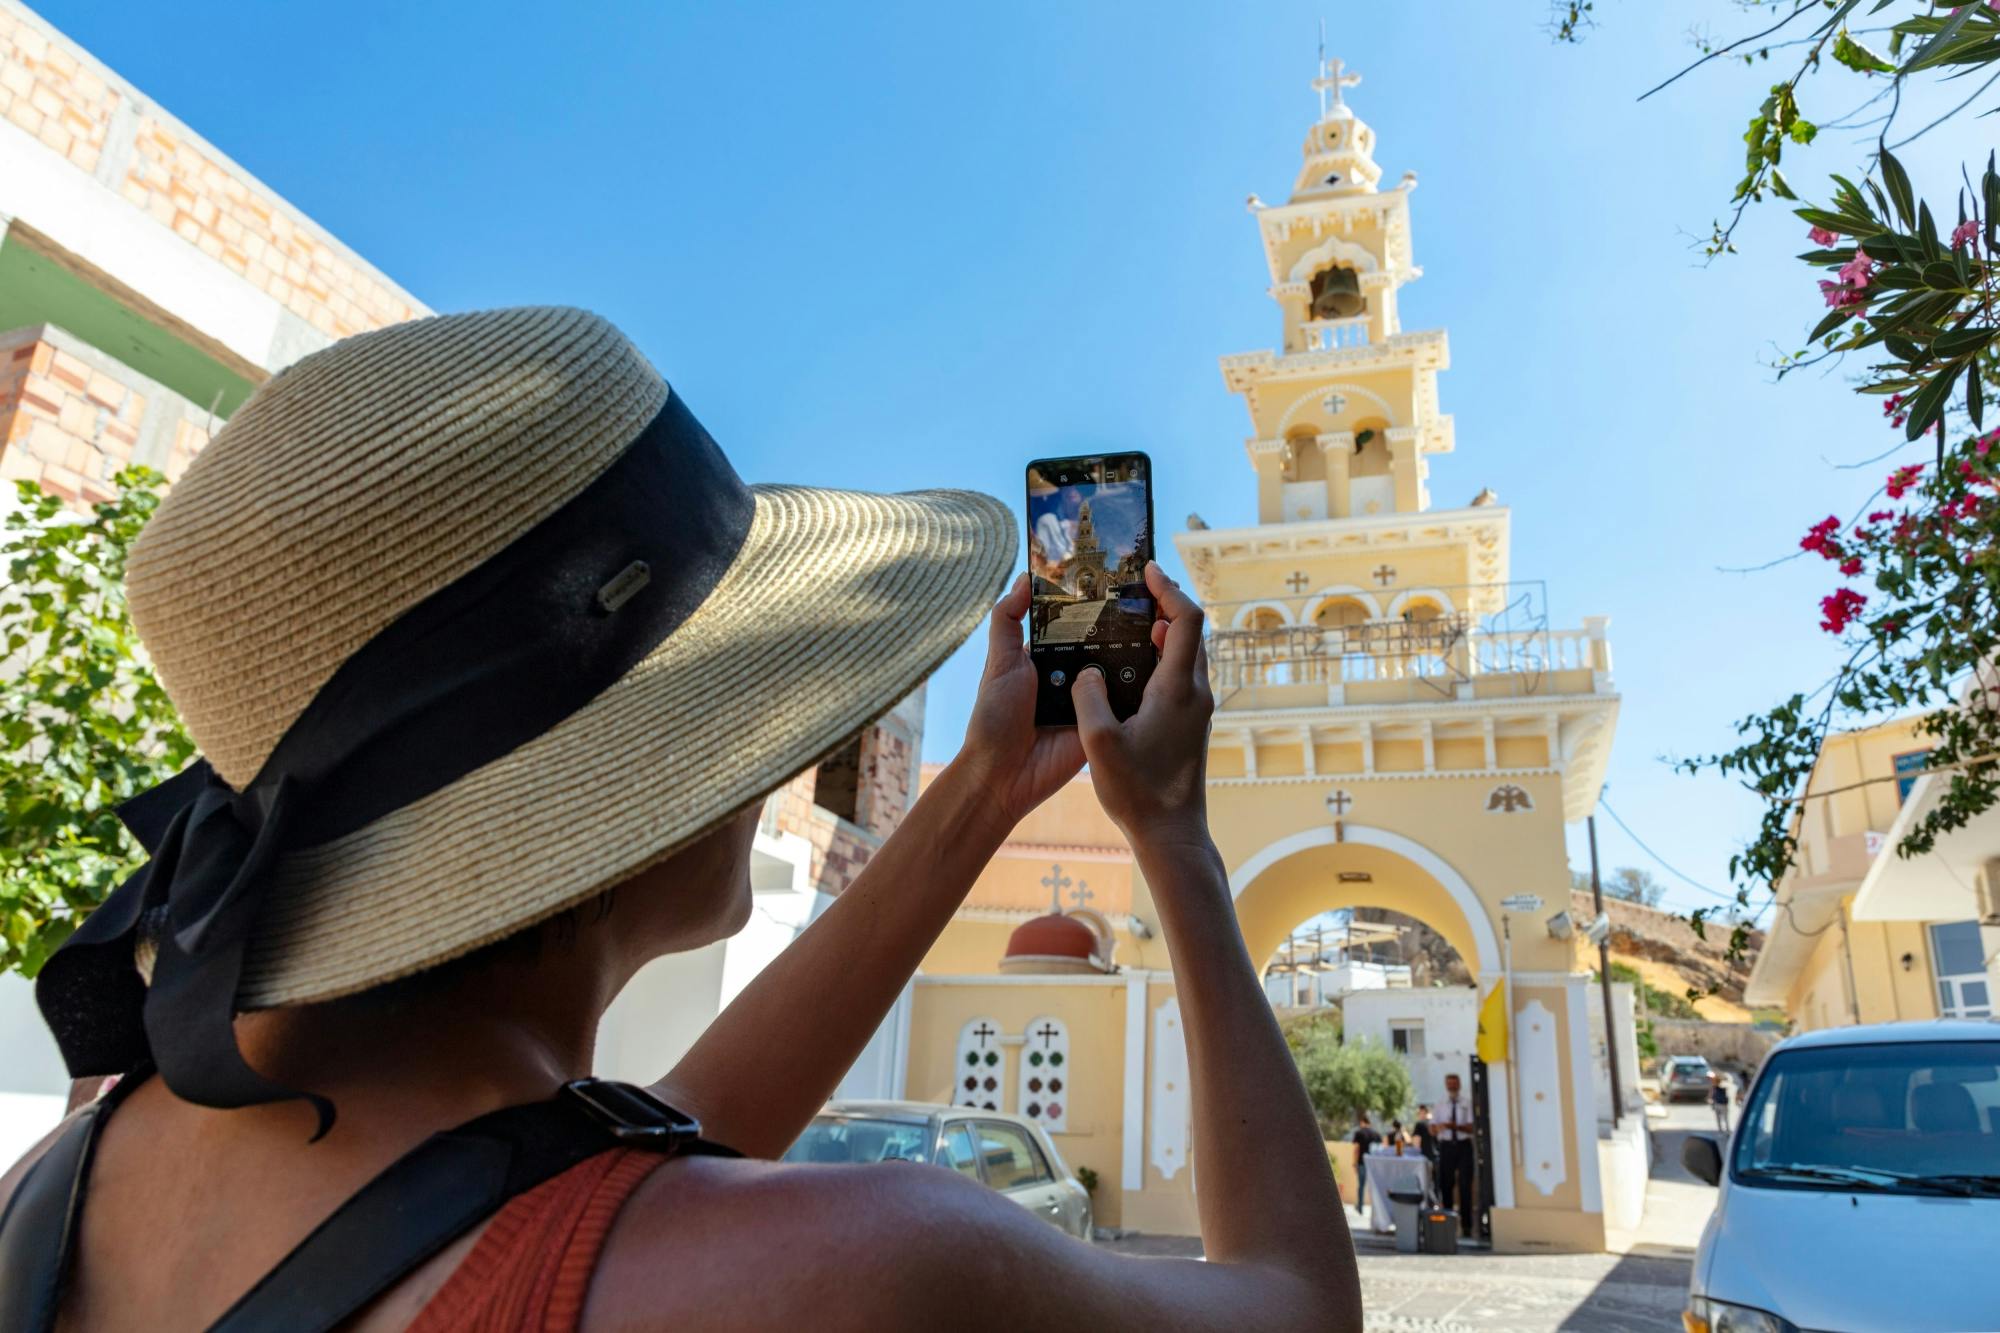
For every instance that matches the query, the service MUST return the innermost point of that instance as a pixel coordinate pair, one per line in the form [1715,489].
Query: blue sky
[900,246]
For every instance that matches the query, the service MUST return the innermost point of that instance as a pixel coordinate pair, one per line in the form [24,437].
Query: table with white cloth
[1388,1171]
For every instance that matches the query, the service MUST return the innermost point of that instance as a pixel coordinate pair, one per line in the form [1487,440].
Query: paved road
[1642,1287]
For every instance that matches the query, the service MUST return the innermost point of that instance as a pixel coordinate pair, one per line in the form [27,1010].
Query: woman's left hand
[1018,764]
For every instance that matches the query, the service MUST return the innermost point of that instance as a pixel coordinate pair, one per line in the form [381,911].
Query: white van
[1861,1189]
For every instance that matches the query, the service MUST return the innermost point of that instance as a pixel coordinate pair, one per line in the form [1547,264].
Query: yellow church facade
[1398,725]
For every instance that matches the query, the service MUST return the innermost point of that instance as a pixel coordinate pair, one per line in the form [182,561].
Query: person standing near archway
[1453,1130]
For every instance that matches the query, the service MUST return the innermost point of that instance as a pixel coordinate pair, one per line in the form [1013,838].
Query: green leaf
[1833,320]
[1935,50]
[1897,182]
[1858,57]
[1928,405]
[1942,276]
[1975,398]
[1963,342]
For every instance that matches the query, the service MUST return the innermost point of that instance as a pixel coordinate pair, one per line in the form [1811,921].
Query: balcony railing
[1440,648]
[1325,335]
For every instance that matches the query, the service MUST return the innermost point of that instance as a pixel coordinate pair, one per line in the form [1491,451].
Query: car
[1685,1076]
[1007,1153]
[1861,1188]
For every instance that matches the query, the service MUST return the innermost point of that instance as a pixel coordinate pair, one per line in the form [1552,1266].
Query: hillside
[1664,949]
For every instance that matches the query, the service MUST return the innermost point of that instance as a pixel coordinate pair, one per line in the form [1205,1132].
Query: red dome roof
[1053,936]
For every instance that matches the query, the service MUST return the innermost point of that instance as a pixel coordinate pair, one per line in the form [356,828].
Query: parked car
[1007,1153]
[1861,1189]
[1685,1077]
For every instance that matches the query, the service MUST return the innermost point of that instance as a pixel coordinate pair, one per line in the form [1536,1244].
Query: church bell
[1336,294]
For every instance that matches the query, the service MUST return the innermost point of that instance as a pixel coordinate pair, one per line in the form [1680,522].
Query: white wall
[1626,1030]
[1450,1018]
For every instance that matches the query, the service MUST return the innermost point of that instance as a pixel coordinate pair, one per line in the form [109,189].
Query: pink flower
[1821,236]
[1851,566]
[1840,608]
[1902,479]
[1965,234]
[1839,295]
[1856,271]
[1819,538]
[1881,515]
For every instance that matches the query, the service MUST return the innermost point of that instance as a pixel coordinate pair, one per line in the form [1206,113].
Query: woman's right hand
[1149,770]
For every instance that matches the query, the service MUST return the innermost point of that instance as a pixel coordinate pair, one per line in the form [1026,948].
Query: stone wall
[71,417]
[885,781]
[1737,1047]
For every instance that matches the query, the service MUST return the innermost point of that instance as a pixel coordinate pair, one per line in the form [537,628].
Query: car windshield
[837,1138]
[1912,1118]
[1696,1066]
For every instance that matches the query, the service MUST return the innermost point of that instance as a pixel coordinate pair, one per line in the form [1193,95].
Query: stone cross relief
[1384,574]
[1298,582]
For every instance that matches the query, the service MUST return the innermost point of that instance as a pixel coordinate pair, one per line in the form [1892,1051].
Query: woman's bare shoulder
[767,1244]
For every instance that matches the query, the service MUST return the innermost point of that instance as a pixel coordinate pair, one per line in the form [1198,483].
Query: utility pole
[1604,977]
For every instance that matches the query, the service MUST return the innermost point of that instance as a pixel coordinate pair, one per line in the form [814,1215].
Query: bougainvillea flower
[1851,566]
[1839,609]
[1819,537]
[1902,479]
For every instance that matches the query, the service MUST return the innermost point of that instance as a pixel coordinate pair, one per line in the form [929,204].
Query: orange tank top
[530,1270]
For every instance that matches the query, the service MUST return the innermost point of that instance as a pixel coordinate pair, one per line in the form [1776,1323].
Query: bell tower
[1397,722]
[1344,416]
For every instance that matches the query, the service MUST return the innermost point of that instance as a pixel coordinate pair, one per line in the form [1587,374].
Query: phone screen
[1090,534]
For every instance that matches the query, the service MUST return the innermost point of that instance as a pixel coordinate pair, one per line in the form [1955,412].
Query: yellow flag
[1492,1043]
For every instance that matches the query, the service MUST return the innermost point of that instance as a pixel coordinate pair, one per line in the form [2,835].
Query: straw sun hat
[471,620]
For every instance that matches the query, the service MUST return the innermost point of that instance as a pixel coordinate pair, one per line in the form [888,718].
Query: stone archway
[1314,870]
[1300,875]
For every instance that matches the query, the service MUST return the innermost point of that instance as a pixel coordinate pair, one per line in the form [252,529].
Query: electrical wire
[1726,897]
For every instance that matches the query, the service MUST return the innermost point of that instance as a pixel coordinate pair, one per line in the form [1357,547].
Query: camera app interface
[1089,538]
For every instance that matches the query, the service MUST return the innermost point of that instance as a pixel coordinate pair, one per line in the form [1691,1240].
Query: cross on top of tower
[1332,80]
[1081,894]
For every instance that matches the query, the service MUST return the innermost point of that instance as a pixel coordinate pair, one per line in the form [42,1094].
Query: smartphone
[1090,534]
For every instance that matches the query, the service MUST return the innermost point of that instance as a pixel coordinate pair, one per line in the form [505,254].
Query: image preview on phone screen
[1090,534]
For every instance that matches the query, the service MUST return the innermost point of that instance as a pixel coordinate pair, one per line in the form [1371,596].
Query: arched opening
[1305,462]
[1336,294]
[1371,448]
[1332,955]
[1269,663]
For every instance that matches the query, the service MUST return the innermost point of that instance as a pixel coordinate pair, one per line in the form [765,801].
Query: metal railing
[1251,644]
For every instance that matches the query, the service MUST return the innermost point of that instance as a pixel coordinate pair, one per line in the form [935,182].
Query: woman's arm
[771,1059]
[1267,1196]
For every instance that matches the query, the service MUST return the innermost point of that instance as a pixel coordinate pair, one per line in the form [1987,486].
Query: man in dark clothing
[1365,1139]
[1453,1132]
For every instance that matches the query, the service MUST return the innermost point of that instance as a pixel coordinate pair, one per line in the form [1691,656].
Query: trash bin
[1405,1209]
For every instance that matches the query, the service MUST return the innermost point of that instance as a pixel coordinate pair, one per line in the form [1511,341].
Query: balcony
[1327,335]
[1425,655]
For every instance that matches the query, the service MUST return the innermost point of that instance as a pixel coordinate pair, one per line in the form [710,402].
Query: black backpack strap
[445,1186]
[39,1227]
[417,1206]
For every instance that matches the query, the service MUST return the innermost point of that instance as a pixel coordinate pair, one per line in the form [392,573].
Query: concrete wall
[1450,1019]
[1625,1160]
[1725,1045]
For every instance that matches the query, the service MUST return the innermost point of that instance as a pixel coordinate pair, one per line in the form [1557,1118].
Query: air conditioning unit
[1986,888]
